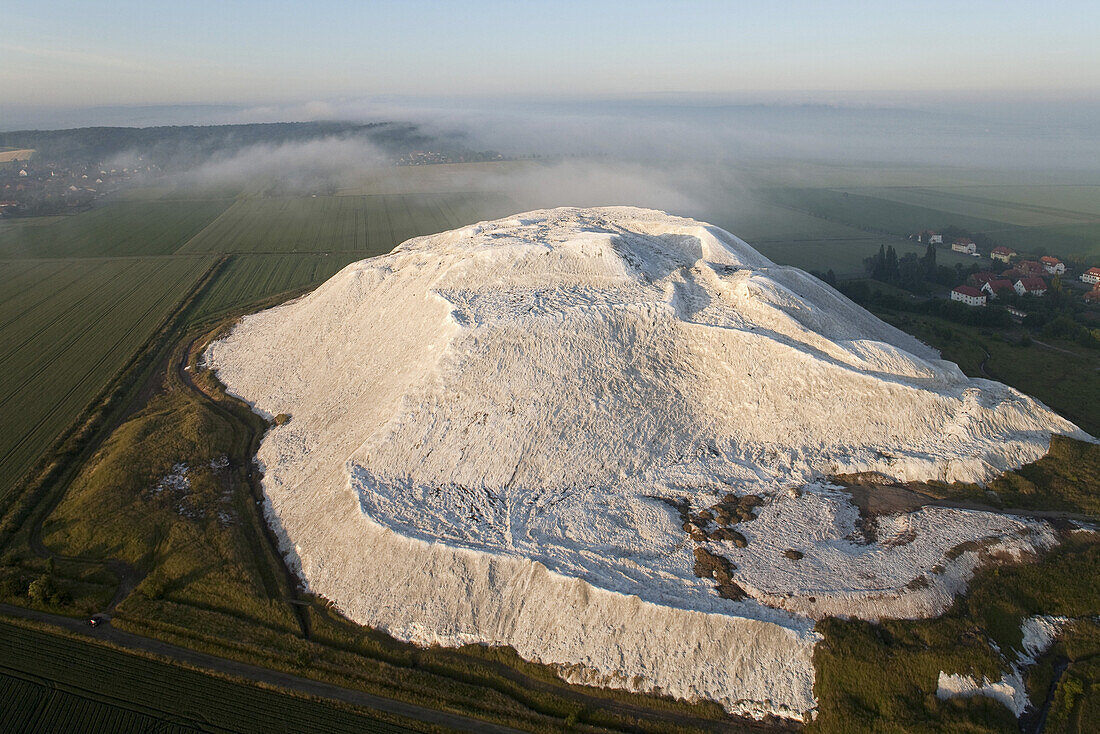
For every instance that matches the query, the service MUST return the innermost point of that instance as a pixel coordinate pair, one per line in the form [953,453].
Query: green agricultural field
[1034,228]
[758,221]
[50,683]
[123,228]
[1063,197]
[960,200]
[792,237]
[873,213]
[252,278]
[66,328]
[371,225]
[1078,241]
[71,317]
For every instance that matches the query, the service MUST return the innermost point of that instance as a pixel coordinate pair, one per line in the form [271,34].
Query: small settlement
[1022,277]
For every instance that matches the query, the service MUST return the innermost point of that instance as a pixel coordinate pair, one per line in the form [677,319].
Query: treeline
[916,274]
[180,147]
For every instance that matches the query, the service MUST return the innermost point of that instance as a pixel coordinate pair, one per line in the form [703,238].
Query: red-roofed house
[1034,286]
[1002,253]
[1093,296]
[965,245]
[1031,267]
[969,295]
[1013,274]
[997,286]
[1052,265]
[979,279]
[1092,275]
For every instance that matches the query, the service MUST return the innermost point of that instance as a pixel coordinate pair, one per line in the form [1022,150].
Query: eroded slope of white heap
[482,420]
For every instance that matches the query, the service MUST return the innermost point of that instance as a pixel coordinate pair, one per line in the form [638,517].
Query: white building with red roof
[1002,253]
[1032,286]
[964,245]
[1092,275]
[1052,265]
[996,287]
[969,295]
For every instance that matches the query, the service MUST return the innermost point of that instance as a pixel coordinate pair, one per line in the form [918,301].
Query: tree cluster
[914,273]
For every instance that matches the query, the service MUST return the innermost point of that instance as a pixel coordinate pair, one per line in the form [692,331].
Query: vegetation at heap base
[118,229]
[883,677]
[1065,480]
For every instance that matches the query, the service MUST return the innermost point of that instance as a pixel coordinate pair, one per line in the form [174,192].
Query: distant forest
[181,147]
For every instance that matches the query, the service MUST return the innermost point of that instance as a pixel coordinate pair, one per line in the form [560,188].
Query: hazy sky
[253,52]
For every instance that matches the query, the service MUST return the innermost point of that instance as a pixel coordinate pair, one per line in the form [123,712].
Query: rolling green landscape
[103,312]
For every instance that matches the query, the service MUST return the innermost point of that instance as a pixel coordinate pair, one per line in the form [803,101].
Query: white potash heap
[492,430]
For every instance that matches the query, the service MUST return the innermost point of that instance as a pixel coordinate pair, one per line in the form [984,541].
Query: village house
[1052,265]
[1093,296]
[1032,286]
[981,278]
[1092,275]
[964,245]
[1002,253]
[969,295]
[1030,267]
[997,286]
[928,236]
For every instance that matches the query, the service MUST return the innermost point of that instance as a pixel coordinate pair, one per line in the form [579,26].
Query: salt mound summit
[497,434]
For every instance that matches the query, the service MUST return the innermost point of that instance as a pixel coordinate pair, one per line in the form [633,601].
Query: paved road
[257,674]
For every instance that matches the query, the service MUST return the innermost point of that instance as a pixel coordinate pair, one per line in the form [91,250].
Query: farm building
[1052,265]
[964,245]
[997,286]
[1092,275]
[1031,267]
[1002,253]
[1033,286]
[969,295]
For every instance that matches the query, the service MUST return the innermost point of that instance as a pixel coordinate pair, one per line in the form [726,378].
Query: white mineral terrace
[490,429]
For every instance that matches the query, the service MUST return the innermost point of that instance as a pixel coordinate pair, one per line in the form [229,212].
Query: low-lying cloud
[312,165]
